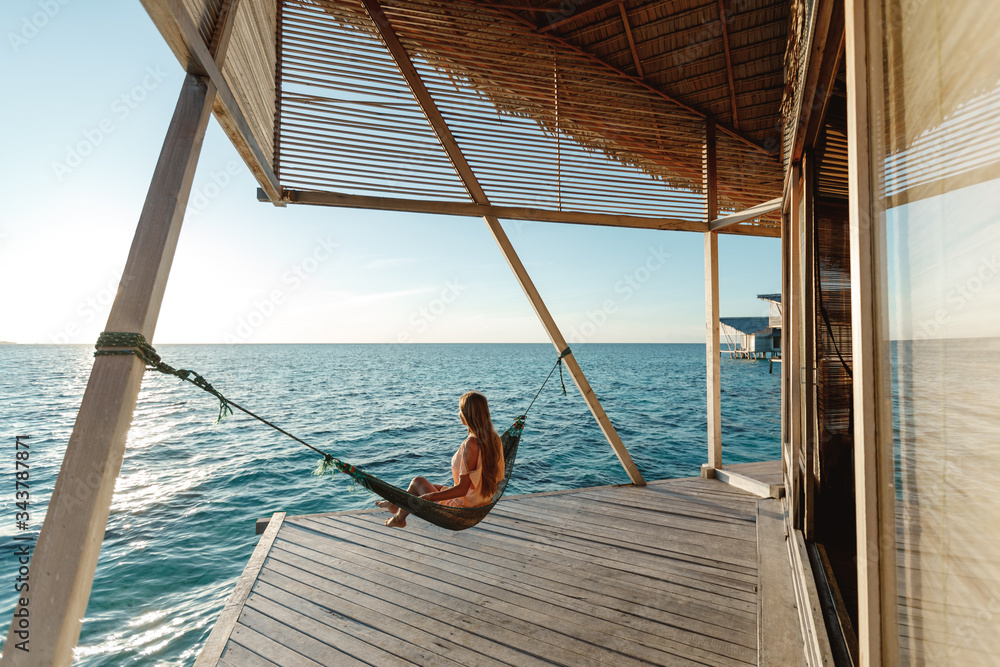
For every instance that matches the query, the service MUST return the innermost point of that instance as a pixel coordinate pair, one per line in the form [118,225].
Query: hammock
[445,516]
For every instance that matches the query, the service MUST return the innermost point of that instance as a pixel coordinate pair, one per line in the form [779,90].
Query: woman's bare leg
[392,508]
[418,487]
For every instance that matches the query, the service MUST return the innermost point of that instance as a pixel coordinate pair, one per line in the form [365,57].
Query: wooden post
[786,402]
[713,361]
[478,194]
[792,313]
[878,634]
[65,557]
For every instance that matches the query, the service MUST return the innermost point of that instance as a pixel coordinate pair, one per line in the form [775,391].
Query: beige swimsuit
[472,498]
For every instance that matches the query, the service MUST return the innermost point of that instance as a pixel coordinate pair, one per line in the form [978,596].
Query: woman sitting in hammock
[477,467]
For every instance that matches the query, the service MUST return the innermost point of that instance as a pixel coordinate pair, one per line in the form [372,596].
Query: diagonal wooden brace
[465,172]
[560,344]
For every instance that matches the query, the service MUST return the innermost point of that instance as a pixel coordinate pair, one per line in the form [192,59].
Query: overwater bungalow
[754,337]
[861,133]
[749,337]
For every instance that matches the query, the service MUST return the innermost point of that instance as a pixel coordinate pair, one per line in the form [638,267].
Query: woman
[477,467]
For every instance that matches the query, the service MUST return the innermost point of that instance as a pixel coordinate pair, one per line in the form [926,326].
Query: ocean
[181,527]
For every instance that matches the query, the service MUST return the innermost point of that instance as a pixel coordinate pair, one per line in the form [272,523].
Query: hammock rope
[445,516]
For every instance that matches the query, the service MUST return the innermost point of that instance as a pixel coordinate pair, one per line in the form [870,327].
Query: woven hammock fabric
[446,516]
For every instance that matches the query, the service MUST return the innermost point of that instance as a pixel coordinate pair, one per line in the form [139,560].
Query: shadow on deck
[682,571]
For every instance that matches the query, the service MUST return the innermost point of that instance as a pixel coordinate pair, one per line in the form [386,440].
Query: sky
[90,88]
[943,256]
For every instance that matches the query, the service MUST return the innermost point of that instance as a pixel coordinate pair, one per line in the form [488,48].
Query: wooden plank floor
[663,574]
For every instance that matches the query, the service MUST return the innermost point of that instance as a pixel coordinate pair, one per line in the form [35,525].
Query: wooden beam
[763,231]
[631,40]
[745,214]
[786,453]
[174,23]
[278,77]
[65,557]
[729,65]
[533,10]
[823,59]
[575,14]
[792,314]
[471,209]
[773,154]
[458,160]
[713,360]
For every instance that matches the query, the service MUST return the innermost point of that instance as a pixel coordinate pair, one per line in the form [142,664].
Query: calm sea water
[182,520]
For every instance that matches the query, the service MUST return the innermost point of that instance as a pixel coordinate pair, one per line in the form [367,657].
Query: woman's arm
[449,492]
[471,452]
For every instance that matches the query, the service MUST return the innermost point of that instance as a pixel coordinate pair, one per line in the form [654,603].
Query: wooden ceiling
[722,58]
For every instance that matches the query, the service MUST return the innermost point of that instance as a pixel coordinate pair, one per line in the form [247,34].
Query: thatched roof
[548,106]
[561,105]
[747,325]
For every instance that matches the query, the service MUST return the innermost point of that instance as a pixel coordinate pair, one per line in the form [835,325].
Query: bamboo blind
[834,364]
[249,69]
[831,175]
[348,121]
[204,14]
[540,124]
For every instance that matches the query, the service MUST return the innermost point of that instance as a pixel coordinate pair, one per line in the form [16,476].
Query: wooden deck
[676,572]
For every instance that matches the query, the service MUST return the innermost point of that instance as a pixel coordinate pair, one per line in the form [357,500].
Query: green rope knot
[332,465]
[327,464]
[125,342]
[559,363]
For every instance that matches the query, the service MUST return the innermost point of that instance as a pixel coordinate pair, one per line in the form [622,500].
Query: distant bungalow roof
[746,325]
[770,297]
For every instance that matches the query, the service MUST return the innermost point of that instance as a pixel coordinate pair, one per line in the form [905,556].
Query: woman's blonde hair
[476,411]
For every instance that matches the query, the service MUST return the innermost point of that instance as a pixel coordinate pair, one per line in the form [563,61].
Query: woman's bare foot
[395,522]
[387,506]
